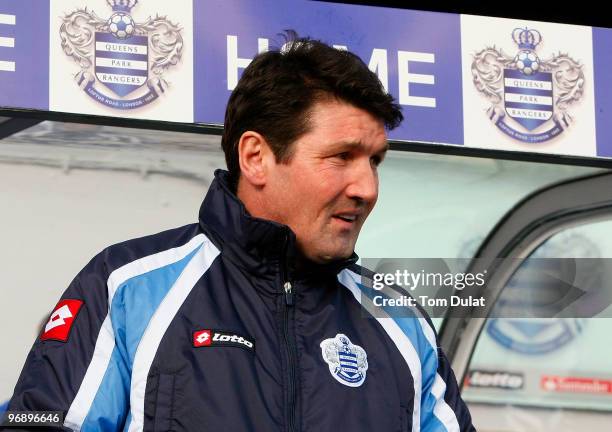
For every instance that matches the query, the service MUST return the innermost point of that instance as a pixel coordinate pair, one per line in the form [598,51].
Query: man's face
[329,186]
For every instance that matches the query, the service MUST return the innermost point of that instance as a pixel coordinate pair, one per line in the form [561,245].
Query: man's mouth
[346,217]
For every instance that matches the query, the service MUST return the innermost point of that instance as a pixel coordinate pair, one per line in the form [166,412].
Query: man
[250,320]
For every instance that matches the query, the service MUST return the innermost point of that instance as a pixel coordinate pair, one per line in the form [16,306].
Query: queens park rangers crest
[121,62]
[347,363]
[530,97]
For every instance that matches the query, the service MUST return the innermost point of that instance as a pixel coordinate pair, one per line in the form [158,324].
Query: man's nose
[363,183]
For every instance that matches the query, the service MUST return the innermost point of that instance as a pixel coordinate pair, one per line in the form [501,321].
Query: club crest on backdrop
[122,62]
[530,97]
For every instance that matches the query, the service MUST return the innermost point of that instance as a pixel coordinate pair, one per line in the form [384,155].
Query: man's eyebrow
[345,144]
[383,151]
[352,144]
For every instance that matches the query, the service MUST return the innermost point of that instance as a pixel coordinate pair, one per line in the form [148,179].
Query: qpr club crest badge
[530,97]
[122,62]
[535,336]
[347,362]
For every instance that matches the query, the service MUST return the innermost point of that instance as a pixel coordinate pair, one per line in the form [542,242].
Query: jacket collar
[261,246]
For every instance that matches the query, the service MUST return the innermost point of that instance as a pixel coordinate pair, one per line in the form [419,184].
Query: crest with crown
[347,362]
[120,23]
[525,92]
[118,56]
[526,59]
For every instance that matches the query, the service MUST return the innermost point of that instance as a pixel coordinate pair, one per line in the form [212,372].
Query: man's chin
[331,253]
[328,257]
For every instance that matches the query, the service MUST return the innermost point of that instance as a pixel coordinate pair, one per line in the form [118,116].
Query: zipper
[289,344]
[288,293]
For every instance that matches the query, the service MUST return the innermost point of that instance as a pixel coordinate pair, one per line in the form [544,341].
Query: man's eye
[343,155]
[376,160]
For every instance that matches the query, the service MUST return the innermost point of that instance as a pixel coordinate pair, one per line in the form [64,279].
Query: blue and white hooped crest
[535,336]
[347,362]
[120,57]
[530,97]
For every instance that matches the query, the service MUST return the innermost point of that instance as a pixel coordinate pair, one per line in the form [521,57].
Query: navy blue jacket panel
[209,327]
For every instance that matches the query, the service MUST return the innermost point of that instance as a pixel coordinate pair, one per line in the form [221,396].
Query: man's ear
[253,155]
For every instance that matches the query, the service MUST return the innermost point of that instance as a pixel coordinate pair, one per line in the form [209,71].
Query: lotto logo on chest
[218,338]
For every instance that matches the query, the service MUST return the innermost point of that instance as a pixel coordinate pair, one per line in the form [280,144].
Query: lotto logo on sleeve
[202,338]
[61,320]
[212,338]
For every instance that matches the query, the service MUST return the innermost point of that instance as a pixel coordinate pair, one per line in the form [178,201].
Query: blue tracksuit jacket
[208,327]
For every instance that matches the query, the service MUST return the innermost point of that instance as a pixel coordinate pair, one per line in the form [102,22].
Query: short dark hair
[278,89]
